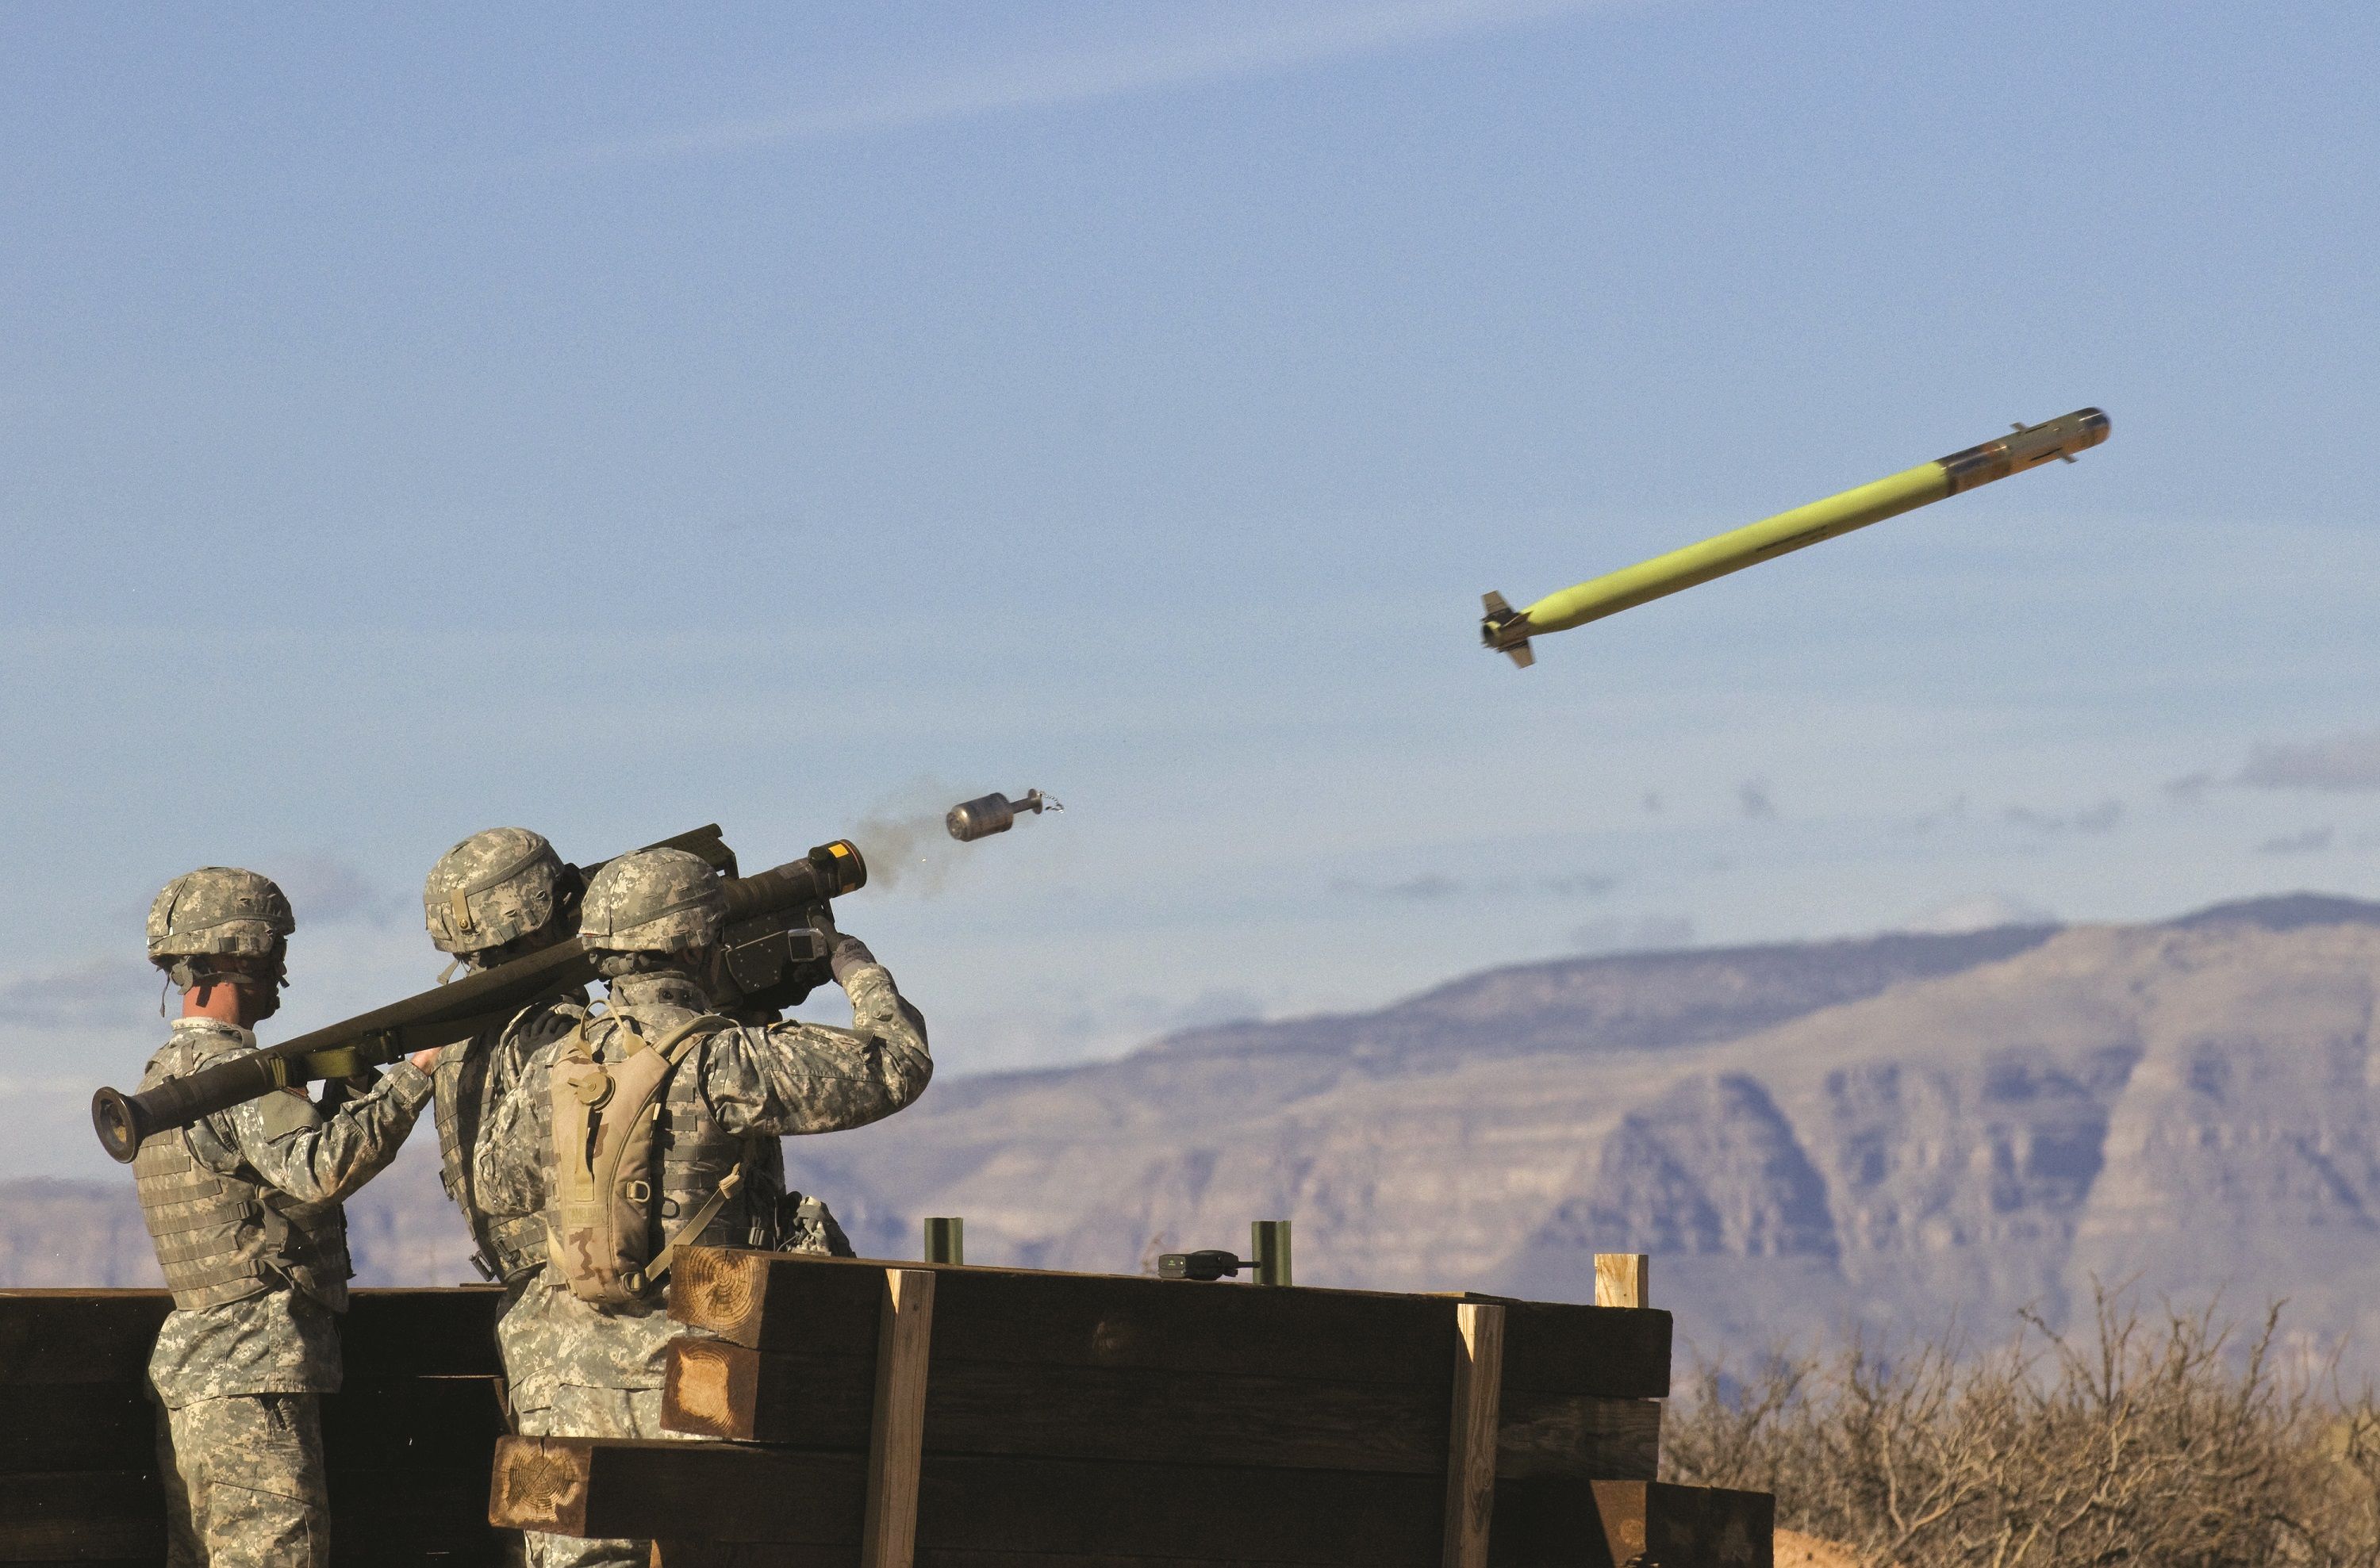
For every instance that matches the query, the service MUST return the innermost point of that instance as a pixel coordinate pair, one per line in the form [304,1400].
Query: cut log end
[538,1484]
[717,1288]
[701,1397]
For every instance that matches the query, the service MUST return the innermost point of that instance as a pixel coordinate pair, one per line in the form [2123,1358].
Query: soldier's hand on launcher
[844,954]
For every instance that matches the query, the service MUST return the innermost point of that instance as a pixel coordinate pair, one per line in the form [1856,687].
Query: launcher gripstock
[770,951]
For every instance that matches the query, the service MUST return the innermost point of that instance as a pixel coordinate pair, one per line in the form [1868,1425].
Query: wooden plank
[605,1486]
[376,1517]
[785,1302]
[76,1426]
[715,1389]
[412,1424]
[1624,1279]
[441,1331]
[99,1514]
[1473,1422]
[412,1516]
[79,1336]
[897,1431]
[86,1337]
[1611,1523]
[764,1554]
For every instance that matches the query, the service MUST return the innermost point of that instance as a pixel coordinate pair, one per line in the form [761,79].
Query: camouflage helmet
[217,910]
[491,888]
[653,902]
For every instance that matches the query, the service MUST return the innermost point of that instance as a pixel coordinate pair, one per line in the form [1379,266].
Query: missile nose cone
[2094,422]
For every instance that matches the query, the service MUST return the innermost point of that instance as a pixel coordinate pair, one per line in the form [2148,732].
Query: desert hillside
[1883,1132]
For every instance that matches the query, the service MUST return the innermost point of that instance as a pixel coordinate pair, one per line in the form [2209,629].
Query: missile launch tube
[1509,632]
[439,1015]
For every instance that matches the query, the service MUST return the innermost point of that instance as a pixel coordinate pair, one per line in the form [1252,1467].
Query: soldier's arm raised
[319,1159]
[797,1078]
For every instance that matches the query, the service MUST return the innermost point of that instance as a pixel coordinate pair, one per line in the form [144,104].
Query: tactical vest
[222,1238]
[515,1245]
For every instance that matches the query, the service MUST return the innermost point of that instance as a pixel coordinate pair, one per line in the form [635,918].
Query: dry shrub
[2137,1441]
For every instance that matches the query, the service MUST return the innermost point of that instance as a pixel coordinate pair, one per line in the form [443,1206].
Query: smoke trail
[905,841]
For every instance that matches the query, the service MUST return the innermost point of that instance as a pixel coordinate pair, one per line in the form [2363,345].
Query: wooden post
[1471,1439]
[945,1240]
[896,1440]
[1624,1279]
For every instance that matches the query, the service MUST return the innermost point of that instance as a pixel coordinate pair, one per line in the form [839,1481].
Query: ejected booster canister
[1507,630]
[981,818]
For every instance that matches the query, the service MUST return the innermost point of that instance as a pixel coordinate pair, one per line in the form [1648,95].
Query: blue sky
[608,421]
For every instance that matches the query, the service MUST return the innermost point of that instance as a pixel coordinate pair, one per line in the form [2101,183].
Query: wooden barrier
[967,1417]
[407,1443]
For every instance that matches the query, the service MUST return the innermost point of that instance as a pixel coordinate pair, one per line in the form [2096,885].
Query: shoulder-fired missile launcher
[772,955]
[1507,630]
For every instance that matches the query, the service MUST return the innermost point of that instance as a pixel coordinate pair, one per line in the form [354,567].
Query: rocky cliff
[1808,1137]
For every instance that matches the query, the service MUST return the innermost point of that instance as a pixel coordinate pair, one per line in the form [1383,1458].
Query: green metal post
[1269,1247]
[946,1240]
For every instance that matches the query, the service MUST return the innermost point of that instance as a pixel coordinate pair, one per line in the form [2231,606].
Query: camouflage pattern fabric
[244,1482]
[472,1078]
[653,902]
[578,1410]
[218,908]
[583,1371]
[807,1224]
[280,1340]
[753,1081]
[491,888]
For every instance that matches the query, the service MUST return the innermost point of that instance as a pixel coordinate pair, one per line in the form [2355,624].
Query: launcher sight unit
[772,955]
[1506,630]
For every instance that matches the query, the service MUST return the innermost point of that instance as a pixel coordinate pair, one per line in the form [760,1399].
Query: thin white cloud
[2340,763]
[1278,42]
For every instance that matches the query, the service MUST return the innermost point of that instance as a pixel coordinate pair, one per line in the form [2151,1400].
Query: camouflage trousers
[244,1485]
[576,1410]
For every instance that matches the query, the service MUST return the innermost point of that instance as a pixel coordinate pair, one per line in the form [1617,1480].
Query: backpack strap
[673,1047]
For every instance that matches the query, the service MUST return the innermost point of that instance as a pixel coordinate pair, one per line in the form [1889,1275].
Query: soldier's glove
[849,956]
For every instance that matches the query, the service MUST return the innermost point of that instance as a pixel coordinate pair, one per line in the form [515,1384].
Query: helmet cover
[219,908]
[653,902]
[491,888]
[220,911]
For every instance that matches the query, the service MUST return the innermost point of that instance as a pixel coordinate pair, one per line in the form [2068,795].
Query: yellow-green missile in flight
[1507,630]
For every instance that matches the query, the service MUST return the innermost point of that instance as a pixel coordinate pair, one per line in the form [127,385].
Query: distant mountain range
[1881,1133]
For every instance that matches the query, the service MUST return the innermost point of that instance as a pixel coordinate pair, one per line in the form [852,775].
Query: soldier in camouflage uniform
[654,918]
[244,1208]
[495,897]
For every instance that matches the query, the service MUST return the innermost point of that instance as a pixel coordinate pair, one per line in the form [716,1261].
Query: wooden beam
[379,1516]
[103,1514]
[896,1440]
[1133,1415]
[99,1337]
[728,1492]
[79,1336]
[763,1554]
[57,1427]
[443,1332]
[1471,1435]
[1624,1279]
[781,1301]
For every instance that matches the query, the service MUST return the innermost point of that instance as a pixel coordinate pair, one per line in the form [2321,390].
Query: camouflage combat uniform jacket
[274,1330]
[728,1102]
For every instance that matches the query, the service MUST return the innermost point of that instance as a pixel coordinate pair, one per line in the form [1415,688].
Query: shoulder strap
[673,1047]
